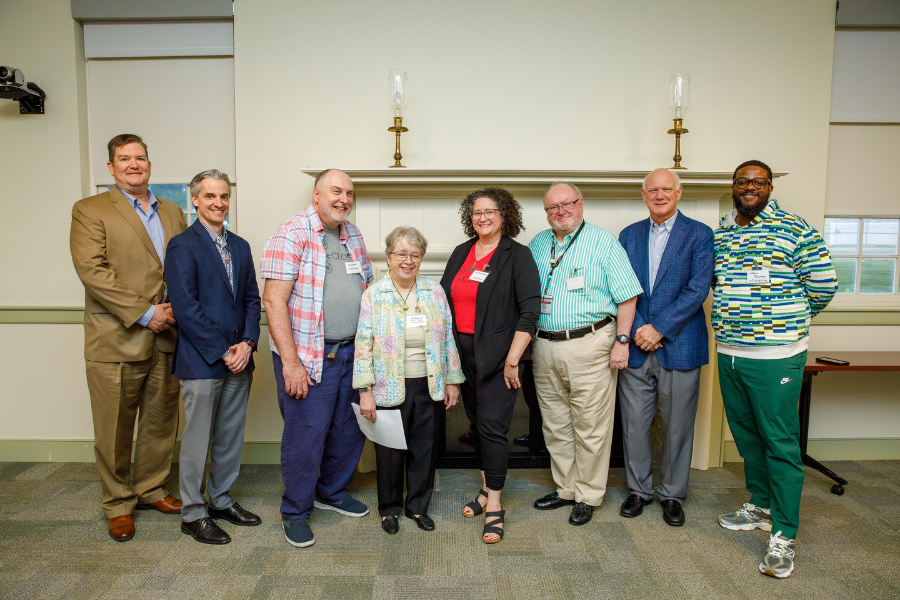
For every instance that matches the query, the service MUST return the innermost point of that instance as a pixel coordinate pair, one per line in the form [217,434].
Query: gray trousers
[215,410]
[677,392]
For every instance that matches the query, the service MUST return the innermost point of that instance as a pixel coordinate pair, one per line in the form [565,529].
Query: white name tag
[758,276]
[478,276]
[416,320]
[353,266]
[546,303]
[575,283]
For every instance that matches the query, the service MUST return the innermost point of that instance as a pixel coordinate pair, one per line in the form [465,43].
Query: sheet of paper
[387,429]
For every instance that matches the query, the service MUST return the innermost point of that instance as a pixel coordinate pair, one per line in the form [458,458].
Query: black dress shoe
[235,514]
[423,521]
[633,506]
[672,513]
[552,501]
[522,440]
[390,525]
[581,514]
[206,531]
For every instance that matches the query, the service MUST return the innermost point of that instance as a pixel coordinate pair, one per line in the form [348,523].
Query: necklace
[405,305]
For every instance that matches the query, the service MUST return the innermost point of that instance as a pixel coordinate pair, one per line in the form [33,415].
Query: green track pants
[760,399]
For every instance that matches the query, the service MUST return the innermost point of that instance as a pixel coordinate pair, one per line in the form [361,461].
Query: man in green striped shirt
[588,297]
[773,274]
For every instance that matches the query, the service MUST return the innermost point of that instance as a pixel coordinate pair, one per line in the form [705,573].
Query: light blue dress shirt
[153,225]
[659,237]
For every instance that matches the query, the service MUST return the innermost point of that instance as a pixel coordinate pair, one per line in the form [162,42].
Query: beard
[750,211]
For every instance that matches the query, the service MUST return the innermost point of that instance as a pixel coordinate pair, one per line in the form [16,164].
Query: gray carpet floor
[53,544]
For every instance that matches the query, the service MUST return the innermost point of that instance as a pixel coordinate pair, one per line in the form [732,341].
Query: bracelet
[509,364]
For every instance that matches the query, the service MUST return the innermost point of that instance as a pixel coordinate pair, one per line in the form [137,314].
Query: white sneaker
[779,560]
[748,518]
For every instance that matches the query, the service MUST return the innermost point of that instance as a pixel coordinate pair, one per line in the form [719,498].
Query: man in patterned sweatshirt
[773,274]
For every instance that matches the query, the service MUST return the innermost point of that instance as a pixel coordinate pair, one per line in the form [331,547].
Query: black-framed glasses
[566,206]
[757,182]
[403,256]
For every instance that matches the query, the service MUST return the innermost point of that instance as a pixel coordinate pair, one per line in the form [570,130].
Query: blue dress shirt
[659,237]
[153,225]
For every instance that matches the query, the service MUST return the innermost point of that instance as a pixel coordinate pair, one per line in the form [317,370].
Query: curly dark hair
[509,208]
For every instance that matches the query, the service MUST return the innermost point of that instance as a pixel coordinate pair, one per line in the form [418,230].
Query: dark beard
[748,212]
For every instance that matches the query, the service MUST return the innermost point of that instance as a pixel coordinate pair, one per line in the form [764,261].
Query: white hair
[670,172]
[573,187]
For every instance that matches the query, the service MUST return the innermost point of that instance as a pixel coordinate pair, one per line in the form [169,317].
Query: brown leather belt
[571,334]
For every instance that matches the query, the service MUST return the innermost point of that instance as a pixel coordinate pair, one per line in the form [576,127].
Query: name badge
[416,320]
[478,276]
[546,303]
[575,283]
[352,267]
[758,276]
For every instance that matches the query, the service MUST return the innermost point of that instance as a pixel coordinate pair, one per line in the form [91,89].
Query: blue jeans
[321,442]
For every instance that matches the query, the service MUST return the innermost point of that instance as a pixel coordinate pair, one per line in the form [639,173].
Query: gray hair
[670,172]
[210,174]
[411,234]
[574,188]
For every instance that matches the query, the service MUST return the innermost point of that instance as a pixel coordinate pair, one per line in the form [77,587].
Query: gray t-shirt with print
[343,291]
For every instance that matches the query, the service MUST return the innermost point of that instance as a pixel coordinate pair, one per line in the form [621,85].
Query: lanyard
[555,263]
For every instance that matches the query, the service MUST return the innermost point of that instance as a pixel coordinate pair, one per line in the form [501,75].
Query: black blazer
[509,300]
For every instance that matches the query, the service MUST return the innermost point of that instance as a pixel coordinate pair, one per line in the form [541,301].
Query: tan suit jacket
[122,275]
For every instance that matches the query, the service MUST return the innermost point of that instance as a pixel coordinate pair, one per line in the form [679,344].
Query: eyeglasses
[757,182]
[403,256]
[489,213]
[566,206]
[667,190]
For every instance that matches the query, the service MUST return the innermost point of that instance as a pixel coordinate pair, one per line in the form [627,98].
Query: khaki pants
[119,392]
[577,393]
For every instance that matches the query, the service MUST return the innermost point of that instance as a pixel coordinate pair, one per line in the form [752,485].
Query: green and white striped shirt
[608,277]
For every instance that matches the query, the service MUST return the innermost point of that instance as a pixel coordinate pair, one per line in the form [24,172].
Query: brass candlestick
[677,130]
[398,128]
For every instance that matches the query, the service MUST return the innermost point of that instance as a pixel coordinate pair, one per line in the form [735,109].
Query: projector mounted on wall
[14,87]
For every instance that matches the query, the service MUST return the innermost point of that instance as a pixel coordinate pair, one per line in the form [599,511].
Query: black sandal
[492,526]
[475,506]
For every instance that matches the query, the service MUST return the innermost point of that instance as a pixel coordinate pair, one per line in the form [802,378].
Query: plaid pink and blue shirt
[295,252]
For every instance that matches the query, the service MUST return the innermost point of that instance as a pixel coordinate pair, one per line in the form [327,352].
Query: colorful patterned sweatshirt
[768,320]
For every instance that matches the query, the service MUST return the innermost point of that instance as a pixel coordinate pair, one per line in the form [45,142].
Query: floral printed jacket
[381,342]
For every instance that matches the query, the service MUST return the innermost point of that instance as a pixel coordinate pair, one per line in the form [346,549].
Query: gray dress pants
[215,410]
[677,392]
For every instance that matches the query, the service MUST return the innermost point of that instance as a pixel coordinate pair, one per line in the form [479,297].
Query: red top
[463,291]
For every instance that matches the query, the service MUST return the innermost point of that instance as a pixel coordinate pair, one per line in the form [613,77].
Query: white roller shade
[152,39]
[866,84]
[183,108]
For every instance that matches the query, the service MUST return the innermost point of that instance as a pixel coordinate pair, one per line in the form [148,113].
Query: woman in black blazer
[494,293]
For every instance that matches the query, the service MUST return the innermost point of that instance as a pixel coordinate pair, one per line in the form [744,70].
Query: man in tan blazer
[118,240]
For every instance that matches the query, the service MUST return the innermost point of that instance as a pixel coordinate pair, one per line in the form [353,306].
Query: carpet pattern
[53,544]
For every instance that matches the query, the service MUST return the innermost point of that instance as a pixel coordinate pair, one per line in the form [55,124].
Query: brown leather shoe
[169,505]
[121,528]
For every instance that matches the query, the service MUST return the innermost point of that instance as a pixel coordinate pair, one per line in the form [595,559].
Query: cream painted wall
[861,159]
[43,158]
[526,85]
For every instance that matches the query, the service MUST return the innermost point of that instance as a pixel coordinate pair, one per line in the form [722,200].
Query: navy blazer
[675,307]
[210,317]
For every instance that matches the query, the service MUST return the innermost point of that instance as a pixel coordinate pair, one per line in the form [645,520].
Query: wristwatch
[623,338]
[249,342]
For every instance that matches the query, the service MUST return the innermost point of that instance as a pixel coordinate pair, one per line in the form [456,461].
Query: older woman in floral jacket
[406,360]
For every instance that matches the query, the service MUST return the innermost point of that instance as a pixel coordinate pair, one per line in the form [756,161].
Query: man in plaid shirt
[316,269]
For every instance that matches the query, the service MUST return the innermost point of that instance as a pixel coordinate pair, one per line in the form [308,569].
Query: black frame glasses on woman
[758,182]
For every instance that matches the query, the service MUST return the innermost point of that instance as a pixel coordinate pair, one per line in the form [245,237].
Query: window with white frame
[865,251]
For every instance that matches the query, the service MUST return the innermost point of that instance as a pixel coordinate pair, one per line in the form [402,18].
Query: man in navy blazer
[212,286]
[672,256]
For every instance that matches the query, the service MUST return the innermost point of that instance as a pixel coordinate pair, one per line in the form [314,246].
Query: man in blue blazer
[672,256]
[212,286]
